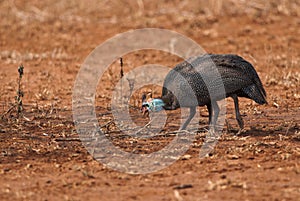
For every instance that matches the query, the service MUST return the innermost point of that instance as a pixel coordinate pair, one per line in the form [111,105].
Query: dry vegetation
[41,157]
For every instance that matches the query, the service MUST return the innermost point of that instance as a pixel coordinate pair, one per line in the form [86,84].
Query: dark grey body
[206,79]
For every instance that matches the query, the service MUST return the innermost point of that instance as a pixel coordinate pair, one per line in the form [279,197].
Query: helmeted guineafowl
[238,76]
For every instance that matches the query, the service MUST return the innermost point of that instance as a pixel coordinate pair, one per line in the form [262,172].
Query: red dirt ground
[41,156]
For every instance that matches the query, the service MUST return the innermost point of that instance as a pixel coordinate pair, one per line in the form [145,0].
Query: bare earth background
[41,158]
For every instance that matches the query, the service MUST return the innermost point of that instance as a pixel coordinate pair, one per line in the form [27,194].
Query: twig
[108,123]
[67,139]
[20,93]
[121,76]
[183,186]
[121,65]
[144,126]
[288,128]
[8,111]
[131,85]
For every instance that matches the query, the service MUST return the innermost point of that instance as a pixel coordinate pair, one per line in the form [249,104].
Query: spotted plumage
[208,78]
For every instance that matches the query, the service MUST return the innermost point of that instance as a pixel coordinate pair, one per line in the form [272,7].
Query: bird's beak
[144,110]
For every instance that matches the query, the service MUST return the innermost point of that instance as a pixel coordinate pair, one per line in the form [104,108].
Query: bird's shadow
[254,133]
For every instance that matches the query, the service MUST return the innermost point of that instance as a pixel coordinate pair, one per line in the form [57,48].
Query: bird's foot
[241,130]
[212,135]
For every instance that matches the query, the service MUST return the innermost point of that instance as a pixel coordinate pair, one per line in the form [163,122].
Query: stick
[10,109]
[67,139]
[121,76]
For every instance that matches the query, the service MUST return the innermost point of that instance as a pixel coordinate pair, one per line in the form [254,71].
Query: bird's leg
[209,113]
[237,113]
[192,114]
[215,111]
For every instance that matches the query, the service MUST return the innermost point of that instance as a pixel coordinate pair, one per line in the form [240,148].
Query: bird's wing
[234,79]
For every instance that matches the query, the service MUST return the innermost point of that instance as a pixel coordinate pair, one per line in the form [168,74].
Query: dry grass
[87,12]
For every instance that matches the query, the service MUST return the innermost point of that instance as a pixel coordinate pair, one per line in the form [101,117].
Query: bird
[198,81]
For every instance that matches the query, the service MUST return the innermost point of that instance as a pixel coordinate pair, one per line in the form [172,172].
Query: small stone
[233,157]
[186,157]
